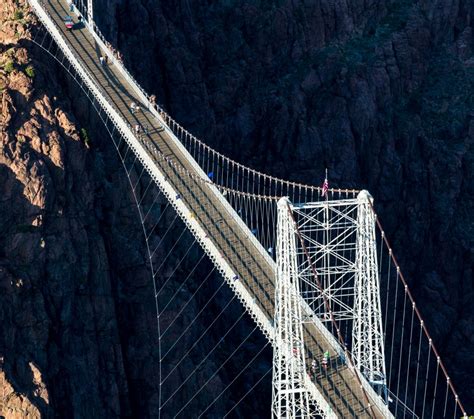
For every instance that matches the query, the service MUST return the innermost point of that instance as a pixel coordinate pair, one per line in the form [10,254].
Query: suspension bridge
[312,268]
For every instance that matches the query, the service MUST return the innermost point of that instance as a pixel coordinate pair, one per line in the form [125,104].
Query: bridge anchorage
[317,275]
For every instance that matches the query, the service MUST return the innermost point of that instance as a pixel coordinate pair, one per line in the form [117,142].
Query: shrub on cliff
[9,66]
[18,15]
[30,71]
[85,137]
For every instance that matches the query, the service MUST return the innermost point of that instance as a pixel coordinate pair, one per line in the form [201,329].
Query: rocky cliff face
[73,280]
[378,91]
[77,313]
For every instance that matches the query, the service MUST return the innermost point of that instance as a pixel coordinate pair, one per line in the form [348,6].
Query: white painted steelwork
[290,396]
[144,155]
[329,232]
[90,12]
[367,331]
[339,237]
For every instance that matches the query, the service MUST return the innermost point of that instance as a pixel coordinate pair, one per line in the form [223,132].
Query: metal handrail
[222,265]
[164,117]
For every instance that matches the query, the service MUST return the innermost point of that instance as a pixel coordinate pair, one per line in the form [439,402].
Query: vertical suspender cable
[418,366]
[435,388]
[401,348]
[426,379]
[393,328]
[409,354]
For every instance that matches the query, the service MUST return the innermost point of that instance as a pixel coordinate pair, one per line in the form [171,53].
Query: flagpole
[326,180]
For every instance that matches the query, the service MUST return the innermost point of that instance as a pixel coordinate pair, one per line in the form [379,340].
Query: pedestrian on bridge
[342,354]
[314,369]
[71,5]
[133,107]
[325,360]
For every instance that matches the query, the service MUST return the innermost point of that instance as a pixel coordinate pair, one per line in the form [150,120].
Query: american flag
[325,188]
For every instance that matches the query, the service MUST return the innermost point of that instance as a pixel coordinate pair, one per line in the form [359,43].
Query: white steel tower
[367,333]
[90,12]
[290,398]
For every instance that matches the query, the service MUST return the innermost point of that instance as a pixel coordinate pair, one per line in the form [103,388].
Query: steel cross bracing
[339,237]
[290,396]
[241,259]
[329,230]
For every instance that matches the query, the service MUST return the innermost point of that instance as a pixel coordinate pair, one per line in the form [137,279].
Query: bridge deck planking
[340,387]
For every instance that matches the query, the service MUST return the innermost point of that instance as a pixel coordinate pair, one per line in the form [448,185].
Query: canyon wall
[75,287]
[380,92]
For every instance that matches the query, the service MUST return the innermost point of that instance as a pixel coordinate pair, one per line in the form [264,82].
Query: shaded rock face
[77,312]
[74,284]
[379,92]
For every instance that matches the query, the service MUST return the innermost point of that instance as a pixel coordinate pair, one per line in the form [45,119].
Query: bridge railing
[40,9]
[337,348]
[222,170]
[225,194]
[415,372]
[100,95]
[251,194]
[123,128]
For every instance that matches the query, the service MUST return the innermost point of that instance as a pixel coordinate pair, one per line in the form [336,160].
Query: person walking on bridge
[314,369]
[325,360]
[342,354]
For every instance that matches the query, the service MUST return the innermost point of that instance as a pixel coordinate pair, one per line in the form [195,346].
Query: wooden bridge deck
[339,386]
